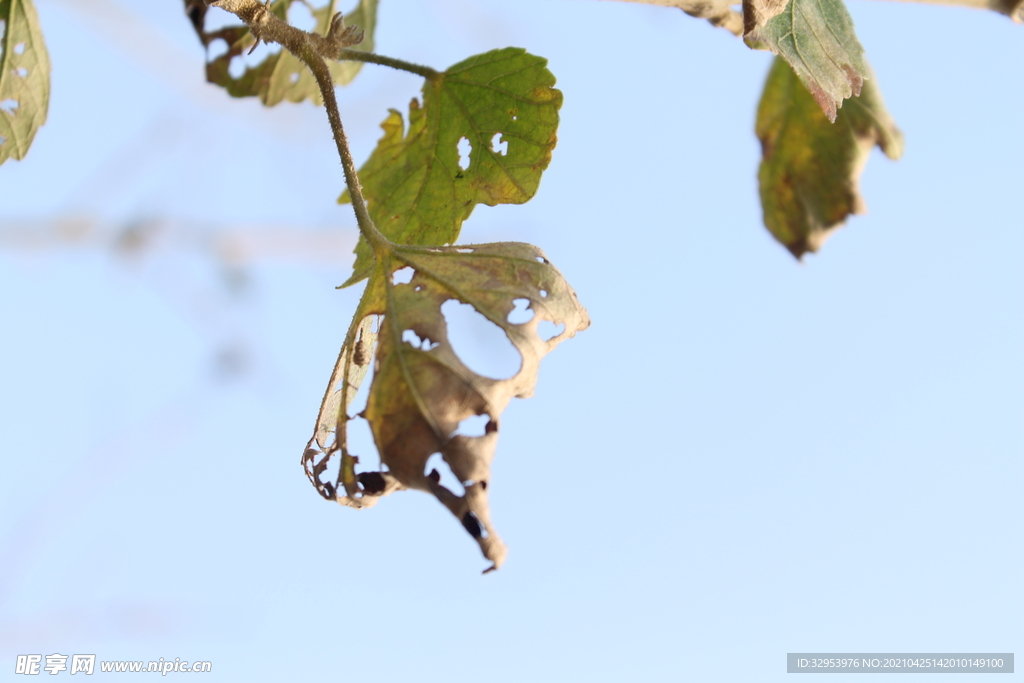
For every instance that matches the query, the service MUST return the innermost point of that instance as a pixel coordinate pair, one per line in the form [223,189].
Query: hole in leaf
[360,444]
[330,474]
[521,313]
[473,426]
[216,49]
[358,402]
[514,117]
[21,71]
[480,344]
[547,330]
[9,107]
[217,18]
[544,293]
[410,337]
[300,16]
[465,251]
[402,276]
[465,149]
[19,49]
[244,61]
[2,140]
[443,476]
[236,69]
[541,259]
[294,78]
[498,145]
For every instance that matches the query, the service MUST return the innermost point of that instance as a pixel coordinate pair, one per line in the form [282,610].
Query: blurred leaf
[24,78]
[282,76]
[416,189]
[810,167]
[421,390]
[816,38]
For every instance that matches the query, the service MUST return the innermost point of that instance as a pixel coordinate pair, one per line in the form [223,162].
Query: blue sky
[743,456]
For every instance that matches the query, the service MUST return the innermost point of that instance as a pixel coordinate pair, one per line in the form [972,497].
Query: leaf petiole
[348,54]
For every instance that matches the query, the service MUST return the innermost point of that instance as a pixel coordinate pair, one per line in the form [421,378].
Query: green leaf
[816,38]
[282,76]
[416,189]
[24,78]
[810,167]
[421,390]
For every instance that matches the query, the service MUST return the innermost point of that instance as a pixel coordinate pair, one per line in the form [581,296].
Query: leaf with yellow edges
[504,106]
[810,167]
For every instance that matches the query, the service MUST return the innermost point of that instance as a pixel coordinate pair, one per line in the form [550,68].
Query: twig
[312,48]
[717,12]
[1011,8]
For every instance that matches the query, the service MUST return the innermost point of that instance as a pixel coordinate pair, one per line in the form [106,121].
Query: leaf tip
[825,101]
[812,241]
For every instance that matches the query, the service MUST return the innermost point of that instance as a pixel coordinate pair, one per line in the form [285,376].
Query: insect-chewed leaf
[331,422]
[503,105]
[24,78]
[282,76]
[810,167]
[816,38]
[422,391]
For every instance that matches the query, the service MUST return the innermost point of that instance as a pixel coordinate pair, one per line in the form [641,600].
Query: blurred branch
[720,12]
[175,67]
[231,245]
[717,12]
[1011,8]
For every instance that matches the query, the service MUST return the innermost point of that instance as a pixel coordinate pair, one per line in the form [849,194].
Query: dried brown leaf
[421,392]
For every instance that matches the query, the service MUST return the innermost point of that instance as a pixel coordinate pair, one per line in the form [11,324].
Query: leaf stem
[311,49]
[322,74]
[348,54]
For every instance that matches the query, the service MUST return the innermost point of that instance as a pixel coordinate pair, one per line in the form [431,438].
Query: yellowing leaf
[282,76]
[810,167]
[816,38]
[422,391]
[502,105]
[24,78]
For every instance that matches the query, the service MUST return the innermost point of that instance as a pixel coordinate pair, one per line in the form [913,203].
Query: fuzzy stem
[311,48]
[322,74]
[347,54]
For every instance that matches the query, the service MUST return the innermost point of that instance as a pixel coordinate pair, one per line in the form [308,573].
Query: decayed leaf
[422,391]
[757,13]
[24,78]
[816,37]
[329,436]
[417,191]
[282,76]
[810,167]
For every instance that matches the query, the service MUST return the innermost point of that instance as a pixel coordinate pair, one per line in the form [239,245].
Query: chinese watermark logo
[55,663]
[82,664]
[31,665]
